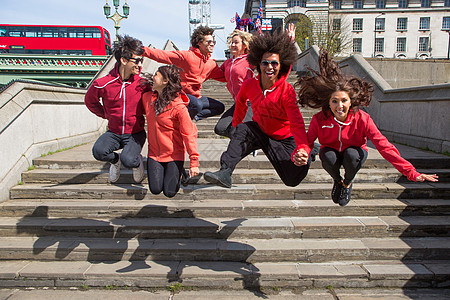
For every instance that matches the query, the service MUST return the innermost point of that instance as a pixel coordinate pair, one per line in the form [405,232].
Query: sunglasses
[211,42]
[266,63]
[137,60]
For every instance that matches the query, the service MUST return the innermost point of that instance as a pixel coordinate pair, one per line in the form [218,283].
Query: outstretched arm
[423,177]
[290,30]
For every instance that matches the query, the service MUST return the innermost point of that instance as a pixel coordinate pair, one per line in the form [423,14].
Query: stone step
[238,191]
[233,250]
[225,228]
[255,176]
[168,208]
[265,277]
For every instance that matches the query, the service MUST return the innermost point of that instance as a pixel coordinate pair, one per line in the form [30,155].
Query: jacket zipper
[156,136]
[340,141]
[124,108]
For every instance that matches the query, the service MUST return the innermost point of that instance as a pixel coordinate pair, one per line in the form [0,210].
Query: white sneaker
[139,172]
[114,171]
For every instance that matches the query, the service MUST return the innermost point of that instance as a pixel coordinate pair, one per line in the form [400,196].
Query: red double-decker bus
[54,39]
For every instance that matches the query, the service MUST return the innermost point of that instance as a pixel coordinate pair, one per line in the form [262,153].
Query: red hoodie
[275,110]
[120,102]
[236,71]
[196,66]
[354,133]
[171,132]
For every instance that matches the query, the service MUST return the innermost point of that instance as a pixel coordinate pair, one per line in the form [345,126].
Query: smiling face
[237,48]
[207,44]
[340,104]
[270,68]
[131,66]
[159,82]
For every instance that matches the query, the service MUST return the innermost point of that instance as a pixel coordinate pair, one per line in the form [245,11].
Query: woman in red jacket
[343,129]
[170,132]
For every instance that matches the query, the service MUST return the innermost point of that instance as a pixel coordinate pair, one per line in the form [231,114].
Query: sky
[151,21]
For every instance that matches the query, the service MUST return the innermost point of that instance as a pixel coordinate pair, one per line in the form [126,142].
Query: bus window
[92,33]
[33,32]
[49,32]
[63,32]
[3,31]
[15,31]
[76,32]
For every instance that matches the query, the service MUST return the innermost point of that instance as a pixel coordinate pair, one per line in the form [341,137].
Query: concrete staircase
[66,226]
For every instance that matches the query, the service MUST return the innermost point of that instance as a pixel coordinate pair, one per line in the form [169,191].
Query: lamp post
[116,17]
[375,34]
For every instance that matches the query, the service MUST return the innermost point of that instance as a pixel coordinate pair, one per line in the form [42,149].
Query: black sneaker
[190,180]
[221,177]
[345,195]
[336,191]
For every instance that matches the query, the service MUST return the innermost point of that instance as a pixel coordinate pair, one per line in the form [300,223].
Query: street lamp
[116,17]
[375,34]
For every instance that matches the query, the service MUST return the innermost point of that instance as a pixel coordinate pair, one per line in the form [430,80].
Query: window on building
[446,23]
[379,45]
[401,44]
[357,3]
[424,23]
[336,24]
[447,3]
[423,43]
[301,3]
[425,3]
[357,24]
[403,3]
[337,4]
[357,45]
[402,24]
[379,24]
[380,3]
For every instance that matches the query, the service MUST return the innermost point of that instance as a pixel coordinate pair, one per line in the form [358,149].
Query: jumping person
[197,66]
[170,132]
[236,70]
[343,129]
[120,94]
[277,125]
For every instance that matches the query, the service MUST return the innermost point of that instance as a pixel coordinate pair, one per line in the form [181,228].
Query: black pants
[351,158]
[164,176]
[109,142]
[224,126]
[249,137]
[204,107]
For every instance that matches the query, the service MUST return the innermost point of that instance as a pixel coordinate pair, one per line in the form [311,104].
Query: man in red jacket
[117,98]
[197,66]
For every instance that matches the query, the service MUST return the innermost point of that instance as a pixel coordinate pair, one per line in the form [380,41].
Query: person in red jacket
[170,132]
[343,129]
[277,125]
[197,66]
[236,70]
[117,98]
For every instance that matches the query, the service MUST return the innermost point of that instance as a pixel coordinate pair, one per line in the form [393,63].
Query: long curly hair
[199,34]
[172,74]
[277,43]
[126,46]
[315,90]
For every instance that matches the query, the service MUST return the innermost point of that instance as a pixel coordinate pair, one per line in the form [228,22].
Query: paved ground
[341,294]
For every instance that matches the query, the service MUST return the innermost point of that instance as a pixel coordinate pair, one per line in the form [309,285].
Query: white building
[375,28]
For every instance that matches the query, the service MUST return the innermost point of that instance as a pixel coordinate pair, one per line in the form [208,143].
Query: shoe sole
[215,180]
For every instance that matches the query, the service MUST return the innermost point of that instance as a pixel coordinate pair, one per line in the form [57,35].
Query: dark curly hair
[277,43]
[315,90]
[171,91]
[199,34]
[126,46]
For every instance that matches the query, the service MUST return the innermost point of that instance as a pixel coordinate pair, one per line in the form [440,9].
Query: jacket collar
[279,82]
[199,54]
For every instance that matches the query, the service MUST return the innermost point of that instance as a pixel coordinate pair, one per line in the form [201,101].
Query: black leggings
[249,137]
[204,107]
[351,158]
[224,126]
[164,176]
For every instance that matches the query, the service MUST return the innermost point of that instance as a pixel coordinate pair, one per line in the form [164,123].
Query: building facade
[373,28]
